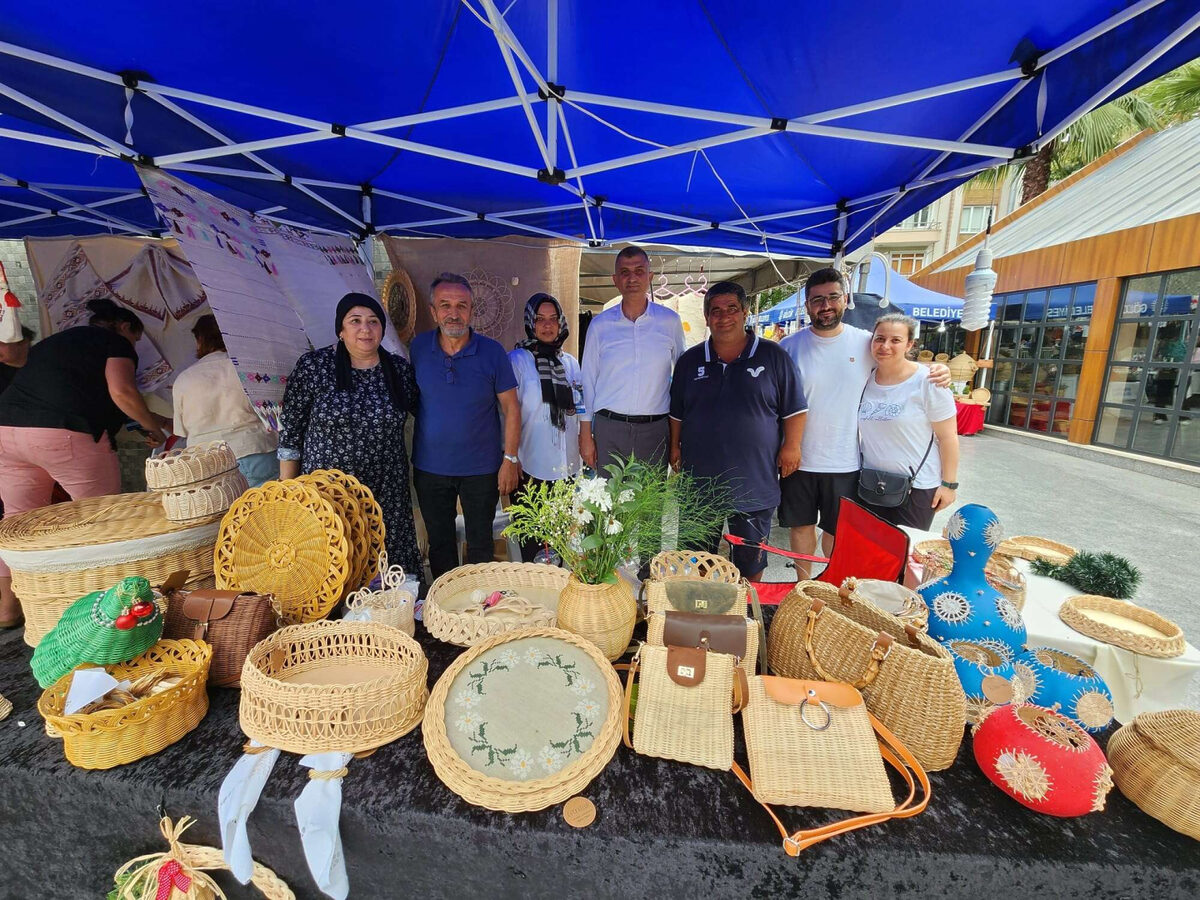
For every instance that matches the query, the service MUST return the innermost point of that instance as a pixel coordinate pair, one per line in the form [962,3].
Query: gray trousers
[647,441]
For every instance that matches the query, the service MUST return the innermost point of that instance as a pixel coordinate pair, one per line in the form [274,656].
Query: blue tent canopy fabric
[474,119]
[908,298]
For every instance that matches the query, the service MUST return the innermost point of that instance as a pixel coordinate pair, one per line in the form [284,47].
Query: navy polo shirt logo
[754,373]
[700,373]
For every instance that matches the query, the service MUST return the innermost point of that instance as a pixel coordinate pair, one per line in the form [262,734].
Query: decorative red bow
[170,876]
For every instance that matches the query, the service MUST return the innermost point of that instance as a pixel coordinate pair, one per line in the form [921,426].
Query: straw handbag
[232,621]
[693,594]
[906,677]
[685,705]
[813,743]
[735,635]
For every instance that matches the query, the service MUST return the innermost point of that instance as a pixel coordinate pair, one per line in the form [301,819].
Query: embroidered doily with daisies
[526,709]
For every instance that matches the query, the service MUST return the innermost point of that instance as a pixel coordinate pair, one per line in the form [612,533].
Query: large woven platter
[523,720]
[448,618]
[370,510]
[358,539]
[284,539]
[1123,624]
[1025,546]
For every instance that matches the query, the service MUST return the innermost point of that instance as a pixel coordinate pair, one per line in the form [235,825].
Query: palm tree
[1171,98]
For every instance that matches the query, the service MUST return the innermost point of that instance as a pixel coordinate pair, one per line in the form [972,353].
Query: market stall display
[1123,624]
[231,621]
[461,607]
[346,505]
[1061,681]
[196,482]
[113,737]
[1156,764]
[1042,760]
[333,686]
[60,552]
[391,605]
[523,720]
[285,539]
[906,677]
[937,559]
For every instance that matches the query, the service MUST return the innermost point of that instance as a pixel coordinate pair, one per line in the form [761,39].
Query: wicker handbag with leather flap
[231,621]
[813,743]
[736,635]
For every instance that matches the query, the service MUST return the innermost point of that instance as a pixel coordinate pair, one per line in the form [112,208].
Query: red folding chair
[864,546]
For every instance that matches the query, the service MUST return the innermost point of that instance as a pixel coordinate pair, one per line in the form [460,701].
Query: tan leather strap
[741,689]
[628,700]
[762,630]
[898,757]
[879,650]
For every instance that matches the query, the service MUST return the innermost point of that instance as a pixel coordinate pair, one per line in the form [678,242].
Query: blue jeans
[259,467]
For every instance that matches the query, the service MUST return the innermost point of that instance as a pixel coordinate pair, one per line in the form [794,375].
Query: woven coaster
[579,812]
[5,707]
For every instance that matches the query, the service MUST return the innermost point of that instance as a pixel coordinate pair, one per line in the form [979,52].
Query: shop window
[1131,341]
[907,262]
[1187,439]
[974,219]
[1114,427]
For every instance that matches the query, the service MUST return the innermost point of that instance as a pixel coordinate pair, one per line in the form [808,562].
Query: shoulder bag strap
[928,450]
[857,430]
[898,757]
[628,701]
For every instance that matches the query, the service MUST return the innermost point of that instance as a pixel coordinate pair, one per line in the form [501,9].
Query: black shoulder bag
[880,488]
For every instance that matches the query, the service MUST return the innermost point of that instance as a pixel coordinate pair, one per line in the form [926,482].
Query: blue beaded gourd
[962,605]
[1064,682]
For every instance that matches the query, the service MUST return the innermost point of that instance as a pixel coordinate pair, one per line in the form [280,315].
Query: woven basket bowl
[179,468]
[982,396]
[675,563]
[1168,644]
[333,686]
[1025,546]
[467,630]
[285,539]
[114,737]
[520,796]
[95,522]
[205,499]
[1156,763]
[937,560]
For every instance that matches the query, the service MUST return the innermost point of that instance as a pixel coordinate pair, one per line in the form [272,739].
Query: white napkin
[318,809]
[360,614]
[88,685]
[239,795]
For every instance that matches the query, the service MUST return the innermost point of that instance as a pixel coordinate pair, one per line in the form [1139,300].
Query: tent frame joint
[558,176]
[778,123]
[553,91]
[338,129]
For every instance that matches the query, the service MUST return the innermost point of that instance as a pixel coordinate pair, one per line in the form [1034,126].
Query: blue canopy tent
[785,311]
[455,118]
[908,298]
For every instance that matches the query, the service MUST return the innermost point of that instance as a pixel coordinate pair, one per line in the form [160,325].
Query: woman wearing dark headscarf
[345,407]
[549,389]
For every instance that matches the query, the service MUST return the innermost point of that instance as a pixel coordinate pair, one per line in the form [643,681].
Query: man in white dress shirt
[628,356]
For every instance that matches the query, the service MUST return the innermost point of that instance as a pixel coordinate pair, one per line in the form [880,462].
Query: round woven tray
[1156,763]
[326,686]
[123,521]
[114,737]
[535,793]
[466,629]
[371,512]
[937,561]
[284,539]
[1025,546]
[1168,643]
[179,468]
[205,499]
[982,396]
[400,301]
[358,538]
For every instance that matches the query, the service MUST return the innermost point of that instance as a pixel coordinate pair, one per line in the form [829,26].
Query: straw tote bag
[813,743]
[685,705]
[735,635]
[905,676]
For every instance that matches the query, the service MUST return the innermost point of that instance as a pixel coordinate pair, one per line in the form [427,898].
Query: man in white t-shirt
[835,362]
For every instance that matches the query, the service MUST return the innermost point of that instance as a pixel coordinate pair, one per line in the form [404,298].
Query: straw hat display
[196,482]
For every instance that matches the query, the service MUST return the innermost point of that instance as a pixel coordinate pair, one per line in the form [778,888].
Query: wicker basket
[326,686]
[698,564]
[60,552]
[937,560]
[114,737]
[962,367]
[358,538]
[392,606]
[658,601]
[982,396]
[285,539]
[1156,763]
[1168,643]
[191,465]
[602,613]
[468,628]
[1024,546]
[371,512]
[906,605]
[205,499]
[912,686]
[656,624]
[518,795]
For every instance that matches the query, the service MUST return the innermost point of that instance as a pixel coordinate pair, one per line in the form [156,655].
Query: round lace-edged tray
[284,539]
[325,686]
[358,538]
[524,720]
[179,468]
[1025,546]
[1123,624]
[371,512]
[452,615]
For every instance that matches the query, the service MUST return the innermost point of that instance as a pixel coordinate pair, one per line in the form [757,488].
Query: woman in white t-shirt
[901,418]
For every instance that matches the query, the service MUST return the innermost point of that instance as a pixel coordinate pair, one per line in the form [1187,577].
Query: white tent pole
[533,229]
[330,205]
[499,26]
[807,211]
[306,227]
[426,203]
[552,75]
[96,189]
[582,194]
[451,112]
[443,153]
[48,141]
[764,237]
[670,217]
[69,204]
[1092,33]
[912,96]
[1147,59]
[63,119]
[290,140]
[429,223]
[537,210]
[269,210]
[28,207]
[650,155]
[657,235]
[201,169]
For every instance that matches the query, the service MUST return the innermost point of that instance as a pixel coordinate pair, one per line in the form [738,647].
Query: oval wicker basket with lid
[179,468]
[1156,763]
[60,552]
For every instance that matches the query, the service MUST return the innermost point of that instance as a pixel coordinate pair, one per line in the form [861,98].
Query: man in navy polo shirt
[737,413]
[466,381]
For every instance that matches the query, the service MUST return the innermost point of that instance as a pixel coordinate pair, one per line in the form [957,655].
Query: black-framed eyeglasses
[448,361]
[830,300]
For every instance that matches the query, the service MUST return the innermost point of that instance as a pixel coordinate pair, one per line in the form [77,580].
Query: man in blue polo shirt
[466,381]
[737,413]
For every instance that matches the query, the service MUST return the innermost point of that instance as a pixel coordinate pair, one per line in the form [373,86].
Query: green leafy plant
[596,524]
[1105,574]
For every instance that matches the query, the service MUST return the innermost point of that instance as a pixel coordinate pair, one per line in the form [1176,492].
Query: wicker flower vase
[601,613]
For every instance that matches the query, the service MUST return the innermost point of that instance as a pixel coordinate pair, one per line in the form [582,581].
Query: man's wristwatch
[512,459]
[952,485]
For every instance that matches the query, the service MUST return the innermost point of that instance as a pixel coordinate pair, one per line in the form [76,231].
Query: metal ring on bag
[828,715]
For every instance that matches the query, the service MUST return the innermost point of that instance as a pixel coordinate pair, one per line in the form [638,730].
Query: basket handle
[880,649]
